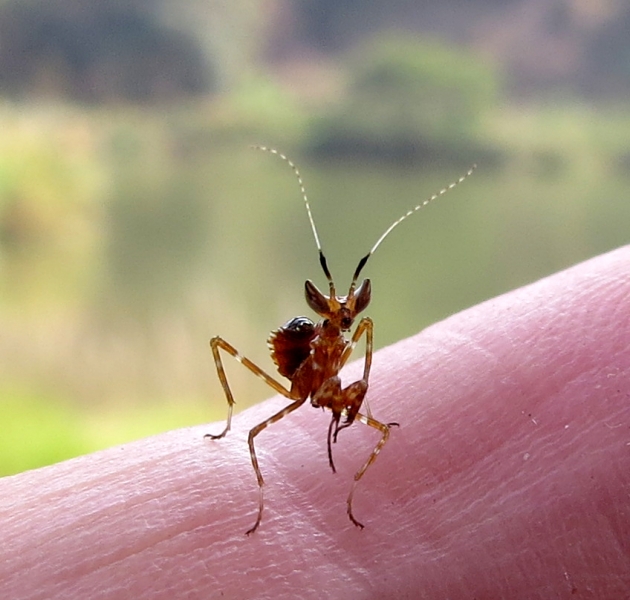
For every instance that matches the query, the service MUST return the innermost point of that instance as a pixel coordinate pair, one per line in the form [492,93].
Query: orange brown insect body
[311,355]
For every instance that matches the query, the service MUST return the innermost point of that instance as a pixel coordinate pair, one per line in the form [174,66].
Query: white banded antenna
[401,219]
[421,205]
[284,157]
[322,258]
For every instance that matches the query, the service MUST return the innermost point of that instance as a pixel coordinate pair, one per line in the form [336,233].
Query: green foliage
[37,430]
[41,429]
[409,97]
[428,88]
[255,107]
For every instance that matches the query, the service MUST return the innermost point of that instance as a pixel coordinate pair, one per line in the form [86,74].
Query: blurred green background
[136,222]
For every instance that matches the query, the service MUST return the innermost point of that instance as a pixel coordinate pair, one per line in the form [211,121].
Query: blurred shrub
[410,99]
[96,52]
[255,110]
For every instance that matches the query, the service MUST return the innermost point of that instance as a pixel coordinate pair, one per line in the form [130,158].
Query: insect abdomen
[290,345]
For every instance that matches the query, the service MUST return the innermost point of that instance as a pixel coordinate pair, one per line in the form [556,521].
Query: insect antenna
[398,221]
[322,258]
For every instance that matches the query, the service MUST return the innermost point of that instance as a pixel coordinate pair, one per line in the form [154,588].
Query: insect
[311,355]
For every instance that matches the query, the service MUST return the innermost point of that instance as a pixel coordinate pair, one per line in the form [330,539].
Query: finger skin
[509,476]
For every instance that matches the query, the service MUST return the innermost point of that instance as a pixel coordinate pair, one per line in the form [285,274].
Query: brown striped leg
[252,452]
[217,343]
[384,429]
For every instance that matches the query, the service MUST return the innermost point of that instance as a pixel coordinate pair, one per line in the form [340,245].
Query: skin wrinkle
[160,530]
[547,444]
[95,515]
[288,487]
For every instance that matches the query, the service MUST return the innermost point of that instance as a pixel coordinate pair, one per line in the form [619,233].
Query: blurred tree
[562,46]
[96,52]
[334,25]
[410,99]
[233,33]
[606,72]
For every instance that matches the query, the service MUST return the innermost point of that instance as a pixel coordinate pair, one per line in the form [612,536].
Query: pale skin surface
[509,477]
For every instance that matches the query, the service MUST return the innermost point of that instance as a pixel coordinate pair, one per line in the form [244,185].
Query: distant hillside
[570,45]
[95,52]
